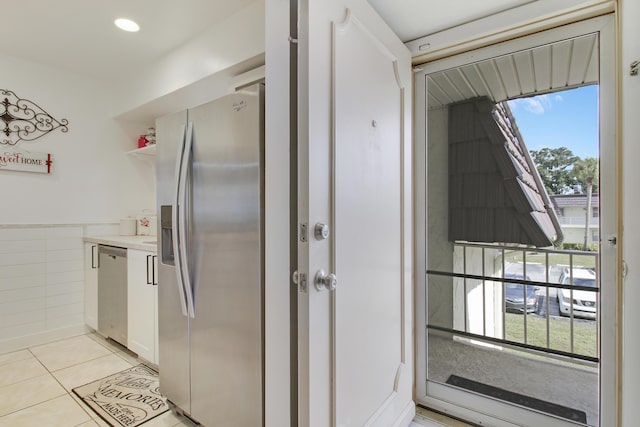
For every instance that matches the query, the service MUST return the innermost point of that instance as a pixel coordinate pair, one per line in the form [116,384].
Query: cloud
[533,105]
[536,104]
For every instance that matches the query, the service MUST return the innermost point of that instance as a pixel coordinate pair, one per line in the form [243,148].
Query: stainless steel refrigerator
[210,188]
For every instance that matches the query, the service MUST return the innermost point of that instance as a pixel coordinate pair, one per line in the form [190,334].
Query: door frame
[609,368]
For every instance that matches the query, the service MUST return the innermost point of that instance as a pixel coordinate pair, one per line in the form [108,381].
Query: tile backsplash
[42,281]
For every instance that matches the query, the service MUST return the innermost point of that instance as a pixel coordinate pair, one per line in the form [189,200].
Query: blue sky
[560,119]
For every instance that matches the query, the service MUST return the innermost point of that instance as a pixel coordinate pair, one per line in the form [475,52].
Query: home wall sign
[25,161]
[24,120]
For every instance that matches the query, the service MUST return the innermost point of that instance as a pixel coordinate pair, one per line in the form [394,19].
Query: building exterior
[570,209]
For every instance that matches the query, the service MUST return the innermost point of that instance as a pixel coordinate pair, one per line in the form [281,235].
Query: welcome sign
[25,161]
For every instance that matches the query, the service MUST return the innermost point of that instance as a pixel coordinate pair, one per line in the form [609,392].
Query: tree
[586,173]
[554,166]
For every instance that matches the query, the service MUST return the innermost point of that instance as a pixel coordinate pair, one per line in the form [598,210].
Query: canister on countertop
[128,227]
[143,221]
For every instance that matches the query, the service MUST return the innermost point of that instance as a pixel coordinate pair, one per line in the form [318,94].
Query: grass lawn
[588,261]
[584,333]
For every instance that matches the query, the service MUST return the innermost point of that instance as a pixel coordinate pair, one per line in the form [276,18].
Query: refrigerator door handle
[174,223]
[183,200]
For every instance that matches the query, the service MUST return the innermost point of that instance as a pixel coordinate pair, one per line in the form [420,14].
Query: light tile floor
[36,383]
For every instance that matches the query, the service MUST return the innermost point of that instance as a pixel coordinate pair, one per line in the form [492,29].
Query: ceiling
[79,35]
[559,66]
[412,19]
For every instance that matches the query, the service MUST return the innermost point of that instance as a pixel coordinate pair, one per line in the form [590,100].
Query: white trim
[407,415]
[517,22]
[277,322]
[249,78]
[19,343]
[516,45]
[420,234]
[609,376]
[609,149]
[481,410]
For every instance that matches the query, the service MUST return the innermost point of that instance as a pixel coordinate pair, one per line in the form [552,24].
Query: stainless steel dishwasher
[112,293]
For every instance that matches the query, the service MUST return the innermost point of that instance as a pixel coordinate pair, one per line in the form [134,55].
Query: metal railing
[566,289]
[579,220]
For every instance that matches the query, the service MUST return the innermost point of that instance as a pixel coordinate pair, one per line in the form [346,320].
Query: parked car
[514,295]
[584,302]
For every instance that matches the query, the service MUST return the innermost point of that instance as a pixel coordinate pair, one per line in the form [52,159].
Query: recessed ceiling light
[127,25]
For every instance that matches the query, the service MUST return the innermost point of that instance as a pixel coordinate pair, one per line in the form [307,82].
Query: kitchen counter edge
[128,242]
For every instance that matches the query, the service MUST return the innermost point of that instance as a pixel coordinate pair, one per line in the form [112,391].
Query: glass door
[518,289]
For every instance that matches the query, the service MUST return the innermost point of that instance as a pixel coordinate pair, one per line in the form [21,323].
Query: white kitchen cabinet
[91,285]
[142,302]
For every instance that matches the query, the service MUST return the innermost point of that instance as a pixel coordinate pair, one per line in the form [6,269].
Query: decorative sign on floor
[127,398]
[25,161]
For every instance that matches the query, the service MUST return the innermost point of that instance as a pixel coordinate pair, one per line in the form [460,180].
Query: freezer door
[173,325]
[227,239]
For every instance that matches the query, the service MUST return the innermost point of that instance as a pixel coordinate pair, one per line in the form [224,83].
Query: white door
[354,107]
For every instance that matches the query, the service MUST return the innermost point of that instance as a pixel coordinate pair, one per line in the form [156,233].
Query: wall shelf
[149,150]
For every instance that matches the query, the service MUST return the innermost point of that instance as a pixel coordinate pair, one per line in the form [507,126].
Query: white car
[584,302]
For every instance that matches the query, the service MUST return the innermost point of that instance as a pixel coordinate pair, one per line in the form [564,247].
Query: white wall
[440,250]
[477,306]
[44,217]
[92,179]
[630,92]
[576,234]
[222,46]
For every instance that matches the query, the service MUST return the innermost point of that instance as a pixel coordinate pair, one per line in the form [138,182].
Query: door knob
[325,281]
[321,231]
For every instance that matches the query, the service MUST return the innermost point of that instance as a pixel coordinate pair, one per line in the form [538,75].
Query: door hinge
[304,232]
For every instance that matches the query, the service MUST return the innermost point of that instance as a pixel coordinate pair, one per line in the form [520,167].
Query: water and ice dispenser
[166,231]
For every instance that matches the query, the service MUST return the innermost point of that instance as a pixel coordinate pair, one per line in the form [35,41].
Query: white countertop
[144,243]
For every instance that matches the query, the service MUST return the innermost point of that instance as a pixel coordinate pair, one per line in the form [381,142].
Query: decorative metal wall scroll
[24,120]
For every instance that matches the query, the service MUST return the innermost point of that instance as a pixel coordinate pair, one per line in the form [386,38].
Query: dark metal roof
[573,200]
[495,191]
